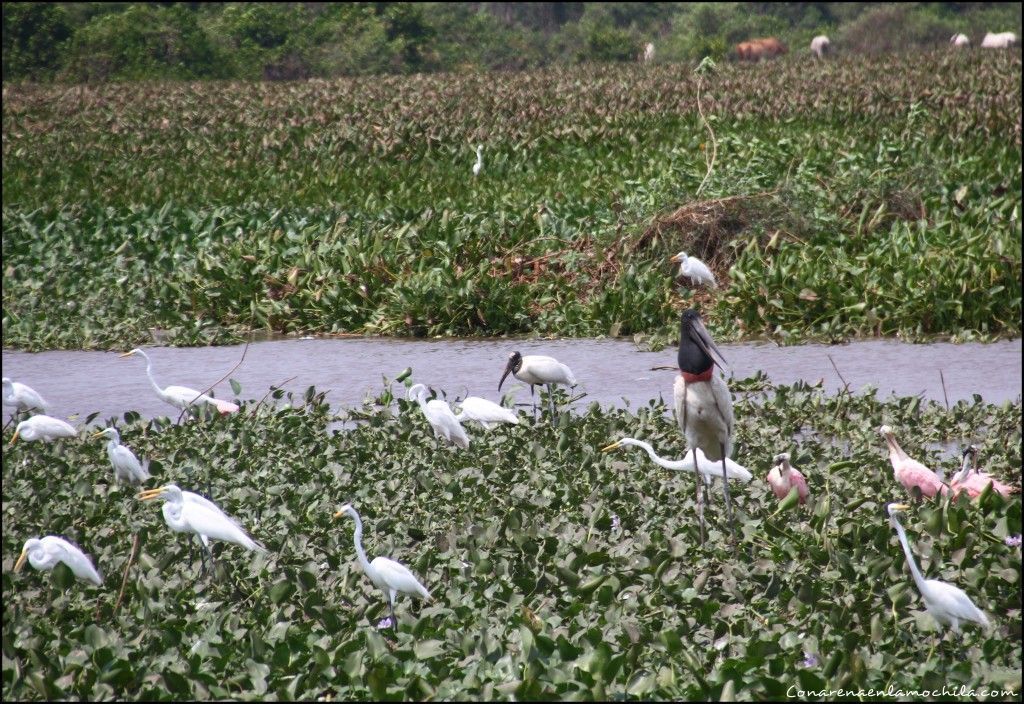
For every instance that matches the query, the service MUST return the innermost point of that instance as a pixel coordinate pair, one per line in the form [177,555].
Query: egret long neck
[149,373]
[918,577]
[357,538]
[661,461]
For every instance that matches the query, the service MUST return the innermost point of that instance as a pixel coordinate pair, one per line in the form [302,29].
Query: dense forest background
[100,41]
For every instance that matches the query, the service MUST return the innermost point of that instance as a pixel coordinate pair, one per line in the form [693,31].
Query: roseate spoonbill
[784,476]
[909,472]
[973,481]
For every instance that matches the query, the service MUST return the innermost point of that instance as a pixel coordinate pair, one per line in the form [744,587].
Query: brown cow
[763,48]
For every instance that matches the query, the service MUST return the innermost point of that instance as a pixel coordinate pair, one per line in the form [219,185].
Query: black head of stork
[515,362]
[695,345]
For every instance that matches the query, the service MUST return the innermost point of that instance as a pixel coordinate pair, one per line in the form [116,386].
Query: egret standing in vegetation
[708,470]
[947,603]
[479,165]
[784,476]
[127,467]
[181,397]
[974,482]
[538,369]
[695,269]
[199,516]
[484,412]
[440,417]
[44,554]
[387,575]
[913,475]
[22,396]
[42,428]
[703,404]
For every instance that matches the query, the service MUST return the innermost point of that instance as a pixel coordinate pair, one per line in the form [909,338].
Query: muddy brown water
[611,372]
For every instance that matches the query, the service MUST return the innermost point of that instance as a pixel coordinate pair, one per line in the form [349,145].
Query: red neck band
[703,376]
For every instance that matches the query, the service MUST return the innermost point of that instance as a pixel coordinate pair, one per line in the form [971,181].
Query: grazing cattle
[648,55]
[1000,40]
[757,49]
[820,46]
[959,40]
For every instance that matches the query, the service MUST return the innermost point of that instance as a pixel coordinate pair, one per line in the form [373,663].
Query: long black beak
[703,339]
[508,370]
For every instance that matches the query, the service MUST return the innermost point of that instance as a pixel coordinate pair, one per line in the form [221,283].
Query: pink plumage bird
[909,472]
[973,481]
[784,476]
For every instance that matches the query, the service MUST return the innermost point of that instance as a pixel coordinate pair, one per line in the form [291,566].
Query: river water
[611,372]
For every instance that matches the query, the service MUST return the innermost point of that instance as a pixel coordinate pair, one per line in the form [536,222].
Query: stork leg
[534,400]
[551,401]
[728,500]
[700,500]
[391,604]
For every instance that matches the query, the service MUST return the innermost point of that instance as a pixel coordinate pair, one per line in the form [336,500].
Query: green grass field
[854,197]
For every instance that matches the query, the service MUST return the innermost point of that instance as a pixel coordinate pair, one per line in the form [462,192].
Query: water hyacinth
[1013,541]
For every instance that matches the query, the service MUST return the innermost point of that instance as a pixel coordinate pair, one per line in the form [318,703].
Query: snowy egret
[538,369]
[484,412]
[708,469]
[182,397]
[127,467]
[784,476]
[479,165]
[949,605]
[22,396]
[909,472]
[695,269]
[973,481]
[703,403]
[42,428]
[387,575]
[440,417]
[44,553]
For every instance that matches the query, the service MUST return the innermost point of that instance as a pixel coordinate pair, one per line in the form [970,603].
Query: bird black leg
[700,500]
[551,402]
[534,400]
[394,621]
[728,500]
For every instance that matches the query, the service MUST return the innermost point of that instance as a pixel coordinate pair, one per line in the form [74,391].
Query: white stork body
[536,369]
[42,428]
[22,396]
[486,413]
[440,417]
[44,554]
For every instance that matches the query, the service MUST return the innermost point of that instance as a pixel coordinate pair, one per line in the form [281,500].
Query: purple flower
[1012,540]
[386,623]
[616,523]
[810,659]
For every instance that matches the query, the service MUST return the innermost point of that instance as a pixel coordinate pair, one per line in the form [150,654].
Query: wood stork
[440,417]
[697,271]
[486,413]
[784,476]
[708,470]
[127,467]
[44,554]
[973,481]
[909,472]
[538,369]
[703,403]
[181,397]
[386,574]
[949,605]
[42,428]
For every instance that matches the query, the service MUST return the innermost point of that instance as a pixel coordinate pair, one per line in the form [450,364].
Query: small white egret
[784,476]
[199,516]
[22,396]
[695,269]
[538,369]
[708,470]
[909,472]
[127,467]
[479,165]
[703,403]
[440,417]
[484,412]
[947,603]
[387,575]
[44,553]
[182,396]
[42,428]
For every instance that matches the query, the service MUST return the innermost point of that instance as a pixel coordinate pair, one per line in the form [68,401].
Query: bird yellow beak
[21,560]
[13,439]
[674,258]
[149,494]
[613,446]
[126,354]
[901,507]
[339,514]
[96,435]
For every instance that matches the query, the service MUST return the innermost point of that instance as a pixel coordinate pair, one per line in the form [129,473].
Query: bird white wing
[192,497]
[484,411]
[126,464]
[73,558]
[397,576]
[952,600]
[181,396]
[548,370]
[26,397]
[50,427]
[217,525]
[698,271]
[445,423]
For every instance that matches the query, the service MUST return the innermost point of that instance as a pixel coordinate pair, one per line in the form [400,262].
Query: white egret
[909,472]
[199,516]
[22,396]
[821,46]
[703,403]
[44,554]
[695,269]
[127,467]
[538,369]
[479,165]
[182,396]
[484,412]
[784,476]
[947,603]
[440,417]
[387,575]
[42,428]
[708,470]
[960,40]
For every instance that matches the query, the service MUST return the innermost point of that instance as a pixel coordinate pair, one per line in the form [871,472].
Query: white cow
[960,40]
[648,56]
[1000,40]
[820,46]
